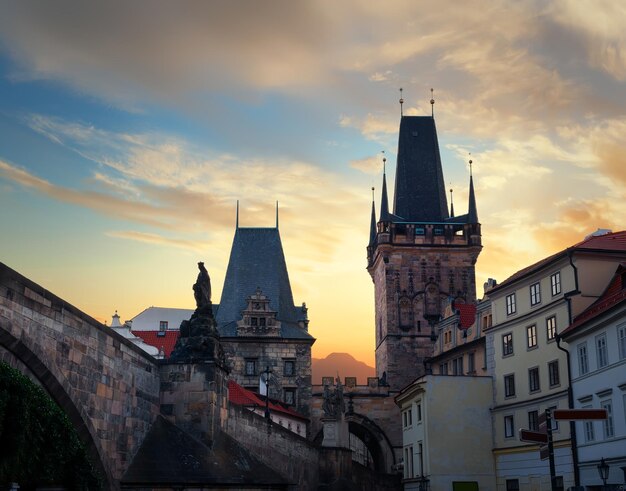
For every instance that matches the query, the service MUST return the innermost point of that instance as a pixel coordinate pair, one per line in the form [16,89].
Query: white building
[125,331]
[528,368]
[446,433]
[160,319]
[597,344]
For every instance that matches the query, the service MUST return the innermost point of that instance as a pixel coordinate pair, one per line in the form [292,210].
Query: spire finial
[384,162]
[451,202]
[276,213]
[432,103]
[372,193]
[470,163]
[237,217]
[401,102]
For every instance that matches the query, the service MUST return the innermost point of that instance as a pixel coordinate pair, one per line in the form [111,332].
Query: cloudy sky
[128,130]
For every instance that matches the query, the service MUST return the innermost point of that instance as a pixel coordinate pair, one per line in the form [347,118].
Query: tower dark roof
[420,194]
[373,225]
[256,261]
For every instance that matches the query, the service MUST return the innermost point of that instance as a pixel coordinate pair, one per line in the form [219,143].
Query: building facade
[596,341]
[446,426]
[529,370]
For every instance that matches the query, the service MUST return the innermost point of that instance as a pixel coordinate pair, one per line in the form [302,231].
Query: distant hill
[344,364]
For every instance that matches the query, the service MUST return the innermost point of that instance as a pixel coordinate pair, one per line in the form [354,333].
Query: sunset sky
[128,130]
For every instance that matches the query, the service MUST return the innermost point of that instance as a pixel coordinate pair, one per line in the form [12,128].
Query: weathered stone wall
[108,387]
[292,456]
[195,398]
[274,353]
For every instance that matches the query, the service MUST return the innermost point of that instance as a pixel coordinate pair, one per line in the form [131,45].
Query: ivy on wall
[38,444]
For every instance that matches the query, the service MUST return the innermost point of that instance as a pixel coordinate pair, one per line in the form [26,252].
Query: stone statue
[333,405]
[202,287]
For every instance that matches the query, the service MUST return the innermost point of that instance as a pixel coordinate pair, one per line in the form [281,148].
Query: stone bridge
[107,386]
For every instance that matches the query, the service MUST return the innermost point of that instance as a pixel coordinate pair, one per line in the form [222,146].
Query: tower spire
[401,101]
[384,203]
[373,222]
[432,103]
[237,217]
[472,213]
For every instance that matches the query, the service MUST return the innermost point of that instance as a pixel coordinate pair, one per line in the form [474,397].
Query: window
[408,418]
[607,424]
[555,283]
[583,362]
[533,379]
[601,351]
[447,337]
[553,373]
[508,427]
[419,412]
[408,462]
[512,485]
[551,328]
[162,328]
[457,366]
[290,396]
[533,420]
[507,344]
[250,367]
[509,385]
[290,368]
[535,293]
[621,340]
[262,321]
[443,369]
[471,363]
[510,304]
[589,430]
[531,336]
[420,459]
[254,321]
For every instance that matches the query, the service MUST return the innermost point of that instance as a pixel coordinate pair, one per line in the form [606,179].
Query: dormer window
[262,321]
[254,321]
[162,328]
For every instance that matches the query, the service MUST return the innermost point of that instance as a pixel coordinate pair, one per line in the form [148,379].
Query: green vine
[38,444]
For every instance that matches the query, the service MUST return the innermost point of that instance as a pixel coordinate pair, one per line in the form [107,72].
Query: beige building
[447,433]
[529,370]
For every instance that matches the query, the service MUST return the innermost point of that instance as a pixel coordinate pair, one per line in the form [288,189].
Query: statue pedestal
[336,433]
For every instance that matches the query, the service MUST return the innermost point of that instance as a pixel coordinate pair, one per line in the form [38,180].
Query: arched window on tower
[406,313]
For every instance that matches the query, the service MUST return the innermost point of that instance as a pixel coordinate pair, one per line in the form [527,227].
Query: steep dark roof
[420,194]
[256,261]
[373,225]
[168,455]
[472,214]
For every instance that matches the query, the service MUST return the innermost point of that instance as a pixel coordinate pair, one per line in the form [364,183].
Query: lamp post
[267,372]
[603,470]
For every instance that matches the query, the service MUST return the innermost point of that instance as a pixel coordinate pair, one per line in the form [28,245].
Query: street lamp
[603,470]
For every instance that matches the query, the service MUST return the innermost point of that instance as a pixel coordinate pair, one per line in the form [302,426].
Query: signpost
[544,435]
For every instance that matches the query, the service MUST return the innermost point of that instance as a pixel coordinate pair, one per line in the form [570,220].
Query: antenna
[401,102]
[237,217]
[432,103]
[276,213]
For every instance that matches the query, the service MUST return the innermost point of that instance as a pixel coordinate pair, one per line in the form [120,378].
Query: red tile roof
[244,397]
[614,294]
[608,242]
[166,342]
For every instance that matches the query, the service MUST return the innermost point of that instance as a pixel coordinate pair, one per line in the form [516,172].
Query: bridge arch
[20,356]
[373,438]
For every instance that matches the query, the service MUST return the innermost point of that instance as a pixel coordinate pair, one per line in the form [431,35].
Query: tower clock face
[257,306]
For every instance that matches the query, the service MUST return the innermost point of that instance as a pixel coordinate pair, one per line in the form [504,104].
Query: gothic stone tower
[419,257]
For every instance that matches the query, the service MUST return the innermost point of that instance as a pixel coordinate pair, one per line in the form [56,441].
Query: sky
[129,130]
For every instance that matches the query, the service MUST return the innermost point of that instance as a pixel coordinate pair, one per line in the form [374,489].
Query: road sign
[579,414]
[544,452]
[542,418]
[533,436]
